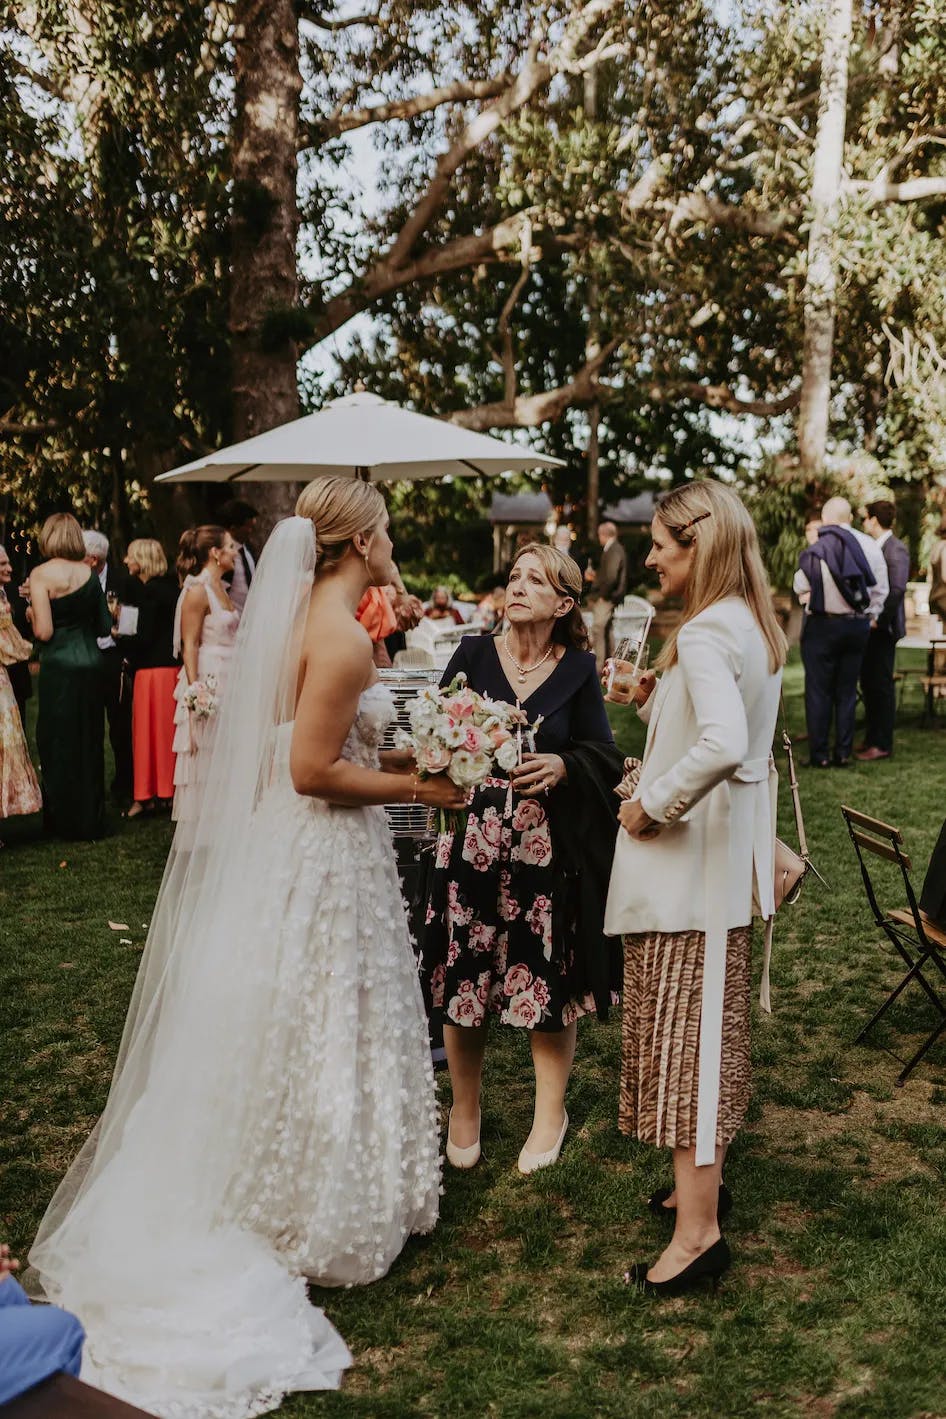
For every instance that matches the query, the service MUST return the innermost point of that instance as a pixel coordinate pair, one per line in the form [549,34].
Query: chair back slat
[881,849]
[873,825]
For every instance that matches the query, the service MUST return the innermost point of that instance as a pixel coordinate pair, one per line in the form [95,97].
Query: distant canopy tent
[631,512]
[511,514]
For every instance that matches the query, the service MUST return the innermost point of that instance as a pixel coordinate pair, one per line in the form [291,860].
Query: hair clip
[693,521]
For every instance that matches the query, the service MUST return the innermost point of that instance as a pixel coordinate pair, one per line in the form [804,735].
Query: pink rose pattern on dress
[488,945]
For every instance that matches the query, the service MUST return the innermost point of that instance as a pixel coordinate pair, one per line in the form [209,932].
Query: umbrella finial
[360,387]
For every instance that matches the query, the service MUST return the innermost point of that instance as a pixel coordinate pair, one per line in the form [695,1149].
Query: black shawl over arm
[583,822]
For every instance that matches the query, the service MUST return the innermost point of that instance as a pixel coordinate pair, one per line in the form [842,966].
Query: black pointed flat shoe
[656,1203]
[710,1265]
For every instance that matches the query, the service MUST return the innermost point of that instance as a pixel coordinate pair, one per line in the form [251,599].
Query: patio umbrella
[364,436]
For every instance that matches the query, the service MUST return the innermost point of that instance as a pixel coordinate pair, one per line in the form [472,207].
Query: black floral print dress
[488,945]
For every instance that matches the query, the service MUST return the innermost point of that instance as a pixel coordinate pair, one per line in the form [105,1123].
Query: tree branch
[915,189]
[312,12]
[528,411]
[460,92]
[720,396]
[704,208]
[533,75]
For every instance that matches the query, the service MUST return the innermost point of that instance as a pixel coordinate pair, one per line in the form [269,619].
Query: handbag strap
[796,797]
[793,783]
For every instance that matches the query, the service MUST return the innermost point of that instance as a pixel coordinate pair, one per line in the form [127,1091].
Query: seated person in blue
[35,1341]
[513,925]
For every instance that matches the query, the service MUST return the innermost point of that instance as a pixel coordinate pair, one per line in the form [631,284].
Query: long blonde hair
[340,508]
[726,560]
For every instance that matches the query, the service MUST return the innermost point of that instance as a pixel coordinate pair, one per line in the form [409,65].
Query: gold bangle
[414,783]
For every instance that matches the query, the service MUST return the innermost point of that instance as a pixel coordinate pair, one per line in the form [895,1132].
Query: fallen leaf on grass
[119,926]
[63,864]
[67,965]
[124,941]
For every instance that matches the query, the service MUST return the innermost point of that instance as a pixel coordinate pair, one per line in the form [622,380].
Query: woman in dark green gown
[68,612]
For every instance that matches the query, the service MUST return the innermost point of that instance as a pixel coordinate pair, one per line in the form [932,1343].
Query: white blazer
[708,777]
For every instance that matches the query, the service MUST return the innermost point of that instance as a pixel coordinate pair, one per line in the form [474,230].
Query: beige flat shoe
[461,1157]
[531,1162]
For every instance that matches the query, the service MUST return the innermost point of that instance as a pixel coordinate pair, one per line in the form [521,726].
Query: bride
[271,1117]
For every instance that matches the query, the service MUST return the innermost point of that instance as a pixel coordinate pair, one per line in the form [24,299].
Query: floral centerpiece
[201,698]
[465,735]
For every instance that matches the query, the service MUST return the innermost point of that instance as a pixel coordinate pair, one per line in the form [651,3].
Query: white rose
[467,770]
[507,754]
[453,735]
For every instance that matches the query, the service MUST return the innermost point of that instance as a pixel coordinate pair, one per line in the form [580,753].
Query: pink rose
[465,1009]
[444,845]
[524,1011]
[474,739]
[499,736]
[535,847]
[433,758]
[541,992]
[527,815]
[481,936]
[436,985]
[492,827]
[459,708]
[518,977]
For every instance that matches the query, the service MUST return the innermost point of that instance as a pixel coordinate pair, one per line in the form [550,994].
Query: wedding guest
[933,896]
[35,1341]
[441,607]
[938,573]
[14,650]
[563,540]
[514,922]
[240,519]
[491,611]
[609,584]
[877,683]
[153,592]
[841,582]
[117,696]
[697,834]
[68,614]
[19,786]
[205,627]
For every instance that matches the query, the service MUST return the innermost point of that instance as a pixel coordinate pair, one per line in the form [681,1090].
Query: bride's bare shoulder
[332,635]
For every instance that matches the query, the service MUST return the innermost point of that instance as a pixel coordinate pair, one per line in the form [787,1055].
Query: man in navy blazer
[877,682]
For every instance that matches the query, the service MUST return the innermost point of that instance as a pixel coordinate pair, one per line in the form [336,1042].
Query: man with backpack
[842,583]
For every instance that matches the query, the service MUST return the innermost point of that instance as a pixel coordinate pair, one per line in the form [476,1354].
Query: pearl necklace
[523,669]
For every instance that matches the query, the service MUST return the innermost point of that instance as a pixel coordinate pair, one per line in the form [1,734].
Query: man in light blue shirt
[35,1341]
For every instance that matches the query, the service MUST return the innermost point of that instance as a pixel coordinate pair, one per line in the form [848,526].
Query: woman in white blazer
[695,863]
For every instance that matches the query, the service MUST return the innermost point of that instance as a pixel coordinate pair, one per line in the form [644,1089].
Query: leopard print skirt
[660,1039]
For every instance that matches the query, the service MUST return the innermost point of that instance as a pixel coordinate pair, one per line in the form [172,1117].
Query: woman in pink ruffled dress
[205,627]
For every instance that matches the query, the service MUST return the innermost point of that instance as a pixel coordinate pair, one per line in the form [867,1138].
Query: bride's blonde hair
[340,508]
[726,560]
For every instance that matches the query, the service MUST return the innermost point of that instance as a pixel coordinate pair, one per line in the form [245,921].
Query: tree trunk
[822,279]
[264,281]
[592,347]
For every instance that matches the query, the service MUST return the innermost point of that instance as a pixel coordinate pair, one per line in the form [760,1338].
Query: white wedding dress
[272,1113]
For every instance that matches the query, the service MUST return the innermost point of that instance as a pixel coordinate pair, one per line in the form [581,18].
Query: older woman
[150,655]
[513,926]
[67,613]
[696,852]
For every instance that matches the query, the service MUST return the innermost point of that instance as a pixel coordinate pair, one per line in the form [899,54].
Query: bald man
[842,583]
[609,584]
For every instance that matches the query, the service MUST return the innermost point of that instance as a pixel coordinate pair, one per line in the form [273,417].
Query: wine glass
[625,668]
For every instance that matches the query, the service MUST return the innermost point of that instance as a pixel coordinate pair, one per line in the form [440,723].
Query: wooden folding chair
[918,941]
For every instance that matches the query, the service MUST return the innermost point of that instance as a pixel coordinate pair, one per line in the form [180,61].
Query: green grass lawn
[516,1306]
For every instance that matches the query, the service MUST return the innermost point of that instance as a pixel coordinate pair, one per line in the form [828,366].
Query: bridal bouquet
[465,735]
[200,698]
